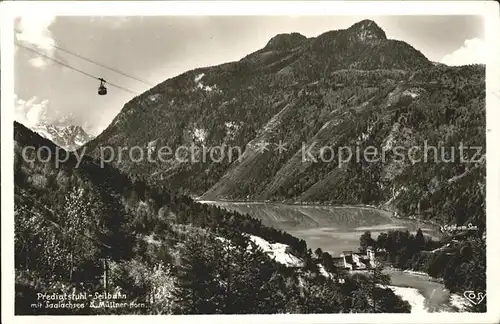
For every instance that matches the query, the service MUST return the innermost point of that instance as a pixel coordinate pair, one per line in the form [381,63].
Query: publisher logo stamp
[473,297]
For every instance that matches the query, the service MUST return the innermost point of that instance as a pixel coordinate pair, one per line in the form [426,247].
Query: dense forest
[91,229]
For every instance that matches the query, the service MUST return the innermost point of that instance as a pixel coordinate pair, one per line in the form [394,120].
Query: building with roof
[357,261]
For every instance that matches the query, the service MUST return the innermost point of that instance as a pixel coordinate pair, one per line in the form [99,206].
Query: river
[337,228]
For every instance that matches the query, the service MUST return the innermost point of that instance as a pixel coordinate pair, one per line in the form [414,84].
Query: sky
[154,49]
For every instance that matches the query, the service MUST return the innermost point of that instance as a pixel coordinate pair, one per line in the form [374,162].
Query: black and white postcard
[307,161]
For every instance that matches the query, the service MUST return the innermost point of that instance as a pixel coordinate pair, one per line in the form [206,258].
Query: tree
[365,241]
[322,296]
[382,240]
[309,264]
[387,301]
[419,240]
[197,287]
[380,299]
[319,253]
[328,263]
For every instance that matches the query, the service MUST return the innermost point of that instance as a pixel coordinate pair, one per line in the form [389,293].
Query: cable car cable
[76,69]
[102,65]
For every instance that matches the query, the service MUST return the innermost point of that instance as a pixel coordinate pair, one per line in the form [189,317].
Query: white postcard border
[488,9]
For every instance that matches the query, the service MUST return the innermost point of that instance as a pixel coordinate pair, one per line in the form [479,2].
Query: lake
[332,228]
[337,228]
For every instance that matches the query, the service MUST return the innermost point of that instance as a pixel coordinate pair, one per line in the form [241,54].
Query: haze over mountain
[344,88]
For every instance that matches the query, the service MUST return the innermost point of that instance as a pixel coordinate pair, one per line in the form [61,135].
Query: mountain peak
[76,129]
[367,30]
[69,137]
[285,41]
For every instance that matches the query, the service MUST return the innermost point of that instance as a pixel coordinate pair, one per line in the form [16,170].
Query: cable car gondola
[102,89]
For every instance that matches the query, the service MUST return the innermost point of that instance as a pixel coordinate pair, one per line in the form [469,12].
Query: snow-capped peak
[69,137]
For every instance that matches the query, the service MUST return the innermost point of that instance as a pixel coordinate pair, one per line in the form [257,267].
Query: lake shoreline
[337,228]
[414,273]
[384,207]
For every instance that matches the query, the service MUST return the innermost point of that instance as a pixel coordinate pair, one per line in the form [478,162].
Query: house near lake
[357,261]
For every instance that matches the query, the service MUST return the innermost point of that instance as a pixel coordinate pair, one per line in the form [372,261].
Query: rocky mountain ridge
[69,137]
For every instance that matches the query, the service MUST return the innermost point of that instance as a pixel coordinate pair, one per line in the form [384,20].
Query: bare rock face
[68,137]
[367,30]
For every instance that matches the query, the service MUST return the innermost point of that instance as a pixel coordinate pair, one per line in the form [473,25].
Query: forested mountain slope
[83,228]
[346,88]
